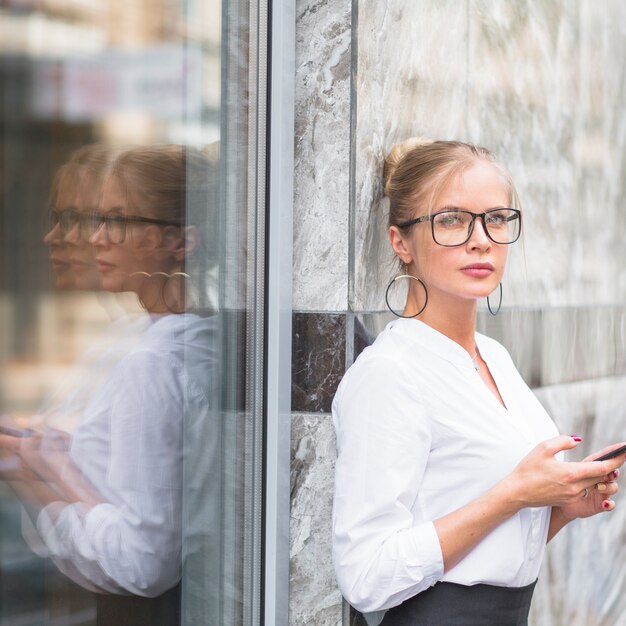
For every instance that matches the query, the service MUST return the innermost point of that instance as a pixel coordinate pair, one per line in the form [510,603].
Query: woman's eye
[496,219]
[450,219]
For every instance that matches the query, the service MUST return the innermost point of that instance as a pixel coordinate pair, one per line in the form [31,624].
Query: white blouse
[130,447]
[419,435]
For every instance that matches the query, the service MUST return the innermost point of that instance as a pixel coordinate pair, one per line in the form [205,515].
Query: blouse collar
[435,341]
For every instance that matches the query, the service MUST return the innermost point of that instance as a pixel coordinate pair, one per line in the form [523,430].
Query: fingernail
[601,487]
[606,505]
[576,438]
[614,474]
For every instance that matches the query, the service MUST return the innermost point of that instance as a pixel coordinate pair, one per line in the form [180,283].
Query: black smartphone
[16,432]
[612,454]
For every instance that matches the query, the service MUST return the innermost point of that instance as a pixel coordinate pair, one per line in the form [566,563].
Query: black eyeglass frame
[470,230]
[68,218]
[99,219]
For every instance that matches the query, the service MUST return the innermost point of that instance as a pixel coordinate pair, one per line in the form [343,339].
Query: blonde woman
[449,477]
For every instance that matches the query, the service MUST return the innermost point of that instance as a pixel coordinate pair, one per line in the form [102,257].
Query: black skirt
[449,604]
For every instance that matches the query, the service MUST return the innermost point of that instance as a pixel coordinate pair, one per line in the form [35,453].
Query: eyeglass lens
[114,226]
[69,218]
[453,228]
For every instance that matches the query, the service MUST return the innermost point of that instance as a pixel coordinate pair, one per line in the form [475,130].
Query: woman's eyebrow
[456,208]
[451,208]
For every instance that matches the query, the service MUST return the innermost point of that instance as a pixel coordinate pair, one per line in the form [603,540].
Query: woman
[108,503]
[447,487]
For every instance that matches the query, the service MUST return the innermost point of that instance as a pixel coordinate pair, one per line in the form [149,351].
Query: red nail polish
[576,438]
[606,505]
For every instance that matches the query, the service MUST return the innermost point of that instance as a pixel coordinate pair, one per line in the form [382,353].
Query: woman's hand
[541,480]
[12,466]
[598,498]
[38,456]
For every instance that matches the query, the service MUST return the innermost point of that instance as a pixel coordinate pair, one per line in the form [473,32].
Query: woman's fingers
[607,489]
[598,469]
[606,450]
[10,443]
[608,505]
[554,445]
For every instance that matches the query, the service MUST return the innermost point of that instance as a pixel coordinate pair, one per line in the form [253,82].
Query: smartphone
[16,432]
[612,454]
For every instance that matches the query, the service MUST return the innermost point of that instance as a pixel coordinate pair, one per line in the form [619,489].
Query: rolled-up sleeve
[383,554]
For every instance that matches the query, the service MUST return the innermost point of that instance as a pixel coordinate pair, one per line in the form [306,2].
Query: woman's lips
[59,266]
[80,266]
[478,270]
[104,267]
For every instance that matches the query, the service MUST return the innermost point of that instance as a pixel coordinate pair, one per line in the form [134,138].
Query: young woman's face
[122,265]
[468,271]
[64,277]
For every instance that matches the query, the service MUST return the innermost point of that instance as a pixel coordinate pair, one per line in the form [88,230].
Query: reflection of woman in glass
[447,486]
[61,197]
[76,190]
[109,507]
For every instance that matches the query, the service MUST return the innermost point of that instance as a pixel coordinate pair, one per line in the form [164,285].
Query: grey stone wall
[320,295]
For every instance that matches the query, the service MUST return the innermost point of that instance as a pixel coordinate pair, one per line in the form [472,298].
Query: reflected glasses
[454,227]
[68,219]
[115,225]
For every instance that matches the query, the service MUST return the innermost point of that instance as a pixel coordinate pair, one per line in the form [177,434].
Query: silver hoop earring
[151,283]
[499,303]
[178,296]
[389,287]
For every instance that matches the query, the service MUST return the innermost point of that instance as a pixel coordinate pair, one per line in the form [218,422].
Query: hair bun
[397,153]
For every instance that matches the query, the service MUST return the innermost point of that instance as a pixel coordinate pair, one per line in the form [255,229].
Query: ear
[399,246]
[148,241]
[183,242]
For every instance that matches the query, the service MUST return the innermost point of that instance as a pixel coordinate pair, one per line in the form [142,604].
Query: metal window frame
[279,249]
[270,250]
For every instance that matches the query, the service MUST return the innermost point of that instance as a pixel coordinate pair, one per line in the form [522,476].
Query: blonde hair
[417,170]
[177,184]
[83,173]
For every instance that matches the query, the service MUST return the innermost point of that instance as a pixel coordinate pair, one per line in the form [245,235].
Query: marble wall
[320,295]
[539,82]
[542,83]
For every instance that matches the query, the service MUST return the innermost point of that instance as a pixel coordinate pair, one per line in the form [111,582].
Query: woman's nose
[98,237]
[73,235]
[53,236]
[478,236]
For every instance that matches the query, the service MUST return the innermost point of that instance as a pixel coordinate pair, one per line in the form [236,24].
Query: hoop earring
[499,303]
[387,295]
[144,289]
[181,305]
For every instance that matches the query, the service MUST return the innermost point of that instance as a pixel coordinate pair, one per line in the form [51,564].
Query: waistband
[451,604]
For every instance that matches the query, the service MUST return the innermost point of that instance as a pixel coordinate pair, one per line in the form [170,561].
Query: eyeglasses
[68,219]
[454,227]
[115,225]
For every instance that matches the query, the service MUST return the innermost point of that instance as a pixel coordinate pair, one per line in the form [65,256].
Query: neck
[453,317]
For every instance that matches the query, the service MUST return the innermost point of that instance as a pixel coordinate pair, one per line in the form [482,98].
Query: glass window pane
[129,369]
